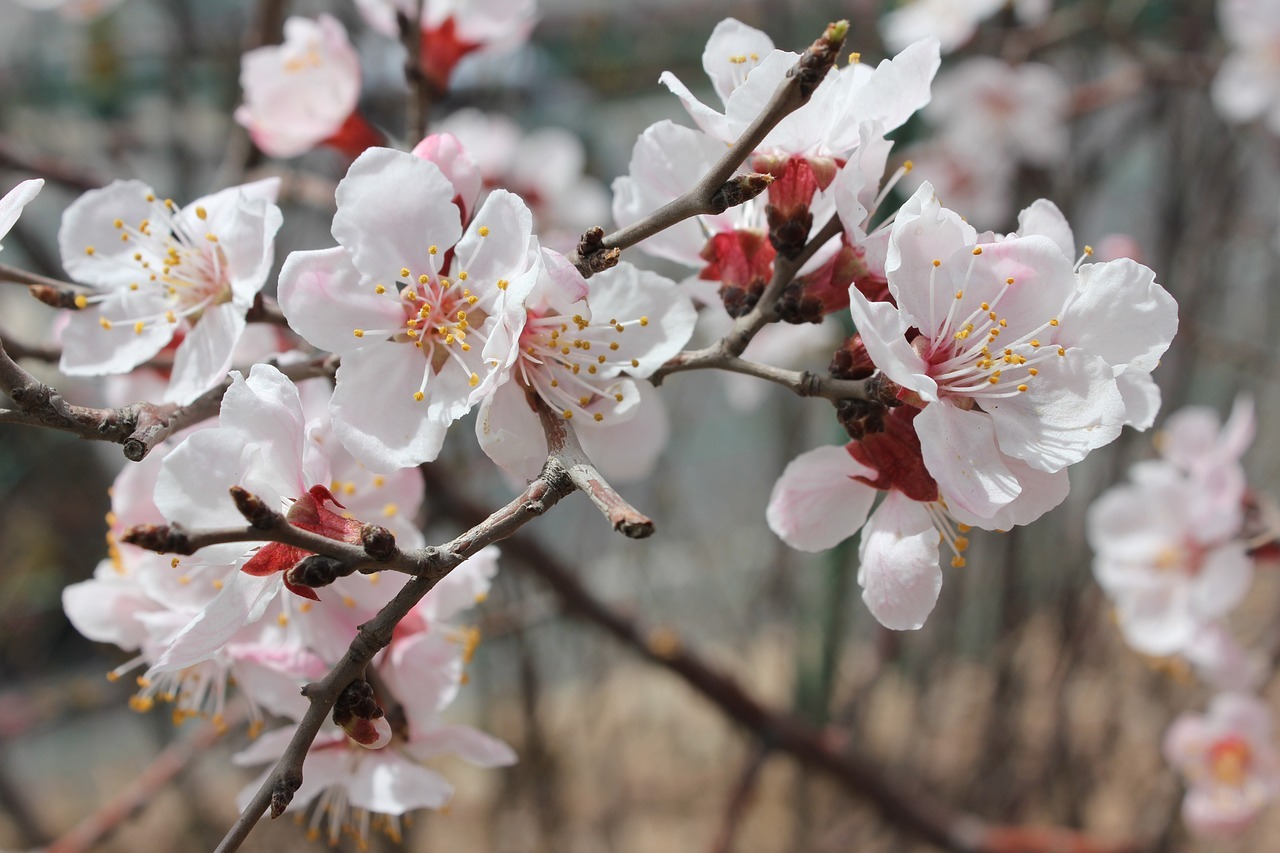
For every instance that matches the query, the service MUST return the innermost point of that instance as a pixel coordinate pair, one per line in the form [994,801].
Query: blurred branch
[166,766]
[421,88]
[50,168]
[822,751]
[242,155]
[739,799]
[554,483]
[718,190]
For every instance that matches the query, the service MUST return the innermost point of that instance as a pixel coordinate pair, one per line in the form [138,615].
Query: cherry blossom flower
[545,167]
[1247,85]
[452,29]
[303,93]
[1015,358]
[1229,762]
[425,317]
[355,789]
[1168,556]
[158,271]
[585,349]
[952,22]
[14,200]
[990,109]
[265,444]
[825,495]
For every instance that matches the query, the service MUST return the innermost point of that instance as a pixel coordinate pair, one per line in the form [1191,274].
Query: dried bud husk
[379,542]
[253,508]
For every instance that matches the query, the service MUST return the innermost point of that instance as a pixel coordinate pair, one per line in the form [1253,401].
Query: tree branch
[821,751]
[715,192]
[52,168]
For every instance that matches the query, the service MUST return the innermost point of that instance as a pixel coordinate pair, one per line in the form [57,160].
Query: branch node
[58,297]
[317,570]
[283,790]
[252,507]
[738,190]
[161,538]
[819,58]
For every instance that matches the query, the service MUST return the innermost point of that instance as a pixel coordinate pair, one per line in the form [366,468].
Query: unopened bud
[58,297]
[161,538]
[379,542]
[316,570]
[820,58]
[358,712]
[860,418]
[739,190]
[884,390]
[253,508]
[852,361]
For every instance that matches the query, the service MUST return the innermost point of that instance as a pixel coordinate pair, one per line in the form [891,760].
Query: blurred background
[1018,702]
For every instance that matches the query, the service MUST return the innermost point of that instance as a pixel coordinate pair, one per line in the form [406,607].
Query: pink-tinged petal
[923,232]
[1044,218]
[504,252]
[1238,432]
[898,87]
[243,600]
[1225,575]
[447,152]
[628,293]
[666,161]
[1213,811]
[899,571]
[324,301]
[883,330]
[271,689]
[471,745]
[104,609]
[1242,89]
[424,671]
[204,356]
[266,412]
[510,433]
[959,449]
[711,122]
[1072,407]
[191,488]
[560,285]
[1041,492]
[1132,339]
[464,587]
[730,40]
[1156,617]
[90,349]
[1222,662]
[266,747]
[376,416]
[390,784]
[16,199]
[816,503]
[626,451]
[90,222]
[1141,396]
[1043,282]
[392,207]
[245,220]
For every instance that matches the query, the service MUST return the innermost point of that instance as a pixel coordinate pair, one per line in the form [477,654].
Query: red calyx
[441,51]
[742,261]
[309,513]
[895,455]
[355,135]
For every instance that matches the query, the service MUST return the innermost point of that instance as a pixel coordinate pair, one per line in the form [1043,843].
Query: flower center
[187,269]
[1229,761]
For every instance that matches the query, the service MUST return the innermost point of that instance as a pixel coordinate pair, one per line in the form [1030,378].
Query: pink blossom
[425,317]
[303,93]
[158,272]
[1247,85]
[1228,761]
[952,22]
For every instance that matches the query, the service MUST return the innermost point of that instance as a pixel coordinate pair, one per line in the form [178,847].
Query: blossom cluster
[1172,554]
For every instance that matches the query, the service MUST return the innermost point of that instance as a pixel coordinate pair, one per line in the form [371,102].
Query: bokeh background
[1018,702]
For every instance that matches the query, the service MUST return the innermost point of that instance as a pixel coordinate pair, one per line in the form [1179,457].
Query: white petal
[959,449]
[324,301]
[883,330]
[899,574]
[469,744]
[204,356]
[242,600]
[388,784]
[731,39]
[16,199]
[816,503]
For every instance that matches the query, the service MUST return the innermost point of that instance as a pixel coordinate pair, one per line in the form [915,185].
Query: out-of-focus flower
[74,10]
[1247,86]
[425,317]
[13,202]
[452,29]
[585,350]
[1228,761]
[303,93]
[545,167]
[952,22]
[159,271]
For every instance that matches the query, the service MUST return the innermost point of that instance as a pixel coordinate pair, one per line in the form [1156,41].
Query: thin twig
[554,483]
[13,275]
[739,799]
[51,168]
[715,191]
[421,88]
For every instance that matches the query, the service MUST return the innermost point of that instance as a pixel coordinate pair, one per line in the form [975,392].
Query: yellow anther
[119,223]
[424,279]
[472,300]
[959,294]
[173,564]
[1033,371]
[404,272]
[151,196]
[474,380]
[1022,387]
[138,327]
[1088,250]
[184,580]
[462,276]
[211,237]
[411,294]
[963,528]
[907,167]
[855,58]
[379,289]
[418,344]
[1053,322]
[170,317]
[359,333]
[124,238]
[568,415]
[217,583]
[644,321]
[1061,351]
[282,620]
[1035,343]
[591,368]
[379,481]
[168,202]
[618,397]
[483,230]
[582,401]
[613,346]
[937,263]
[201,213]
[502,284]
[957,562]
[418,395]
[461,315]
[81,300]
[432,249]
[961,543]
[994,380]
[466,347]
[977,250]
[412,333]
[104,323]
[348,601]
[600,359]
[1004,324]
[89,250]
[1008,281]
[390,510]
[598,417]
